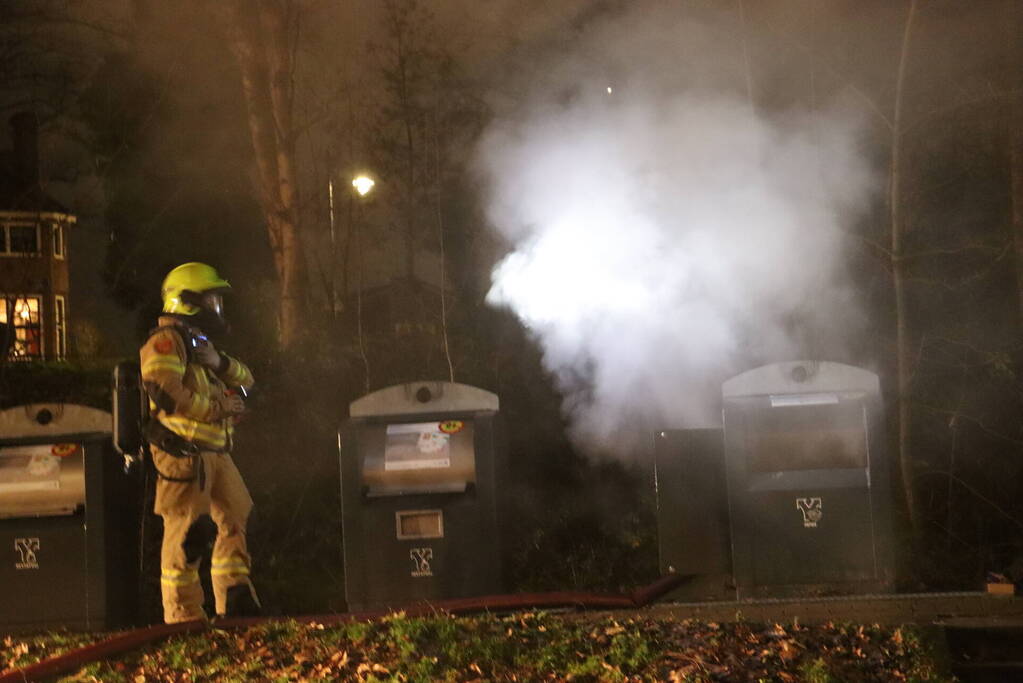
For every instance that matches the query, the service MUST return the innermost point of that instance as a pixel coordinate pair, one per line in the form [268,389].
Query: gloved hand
[232,404]
[207,355]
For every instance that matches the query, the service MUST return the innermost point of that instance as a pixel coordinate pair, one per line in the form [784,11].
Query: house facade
[34,275]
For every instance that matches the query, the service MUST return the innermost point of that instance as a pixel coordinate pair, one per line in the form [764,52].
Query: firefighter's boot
[230,506]
[185,539]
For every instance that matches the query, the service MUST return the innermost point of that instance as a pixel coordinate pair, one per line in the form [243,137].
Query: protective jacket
[185,396]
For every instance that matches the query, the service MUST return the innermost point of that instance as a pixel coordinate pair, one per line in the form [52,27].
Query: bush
[56,382]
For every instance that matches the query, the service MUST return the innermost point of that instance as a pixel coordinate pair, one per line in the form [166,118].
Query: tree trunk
[258,33]
[410,174]
[439,214]
[903,356]
[1015,85]
[747,67]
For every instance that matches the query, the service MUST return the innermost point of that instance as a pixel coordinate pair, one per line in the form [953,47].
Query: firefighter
[194,398]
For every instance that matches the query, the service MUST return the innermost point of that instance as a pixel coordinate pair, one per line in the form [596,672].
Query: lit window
[23,314]
[60,328]
[58,240]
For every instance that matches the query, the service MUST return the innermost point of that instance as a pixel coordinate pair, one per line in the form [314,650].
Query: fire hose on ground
[133,640]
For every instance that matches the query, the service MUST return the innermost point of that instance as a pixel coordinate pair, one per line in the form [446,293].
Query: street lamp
[363,184]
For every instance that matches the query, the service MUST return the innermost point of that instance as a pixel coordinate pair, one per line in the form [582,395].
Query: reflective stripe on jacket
[185,396]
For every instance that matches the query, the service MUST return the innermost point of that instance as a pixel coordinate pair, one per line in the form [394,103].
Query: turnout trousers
[194,494]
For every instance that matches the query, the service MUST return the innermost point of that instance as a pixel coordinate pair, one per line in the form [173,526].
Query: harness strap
[168,441]
[200,475]
[187,338]
[169,478]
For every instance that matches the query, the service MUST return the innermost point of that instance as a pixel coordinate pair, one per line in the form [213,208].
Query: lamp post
[363,185]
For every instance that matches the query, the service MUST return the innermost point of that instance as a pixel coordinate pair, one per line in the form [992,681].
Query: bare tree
[48,50]
[408,67]
[1014,25]
[426,117]
[262,36]
[903,352]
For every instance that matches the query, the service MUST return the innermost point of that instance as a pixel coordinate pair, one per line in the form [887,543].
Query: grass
[21,651]
[519,647]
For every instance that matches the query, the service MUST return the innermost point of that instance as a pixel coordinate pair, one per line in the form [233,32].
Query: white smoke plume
[662,232]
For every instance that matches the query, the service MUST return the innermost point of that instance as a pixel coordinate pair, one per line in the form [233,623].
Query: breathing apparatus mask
[210,316]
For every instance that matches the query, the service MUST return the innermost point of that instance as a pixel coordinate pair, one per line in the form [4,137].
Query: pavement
[920,608]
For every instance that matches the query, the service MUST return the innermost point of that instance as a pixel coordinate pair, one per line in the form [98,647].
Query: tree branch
[977,494]
[835,73]
[971,419]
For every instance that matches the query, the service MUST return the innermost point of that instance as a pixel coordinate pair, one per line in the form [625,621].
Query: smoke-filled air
[664,231]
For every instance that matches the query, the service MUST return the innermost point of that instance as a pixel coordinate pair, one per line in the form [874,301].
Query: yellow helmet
[189,277]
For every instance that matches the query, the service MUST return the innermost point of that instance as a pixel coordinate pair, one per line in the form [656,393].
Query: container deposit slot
[807,433]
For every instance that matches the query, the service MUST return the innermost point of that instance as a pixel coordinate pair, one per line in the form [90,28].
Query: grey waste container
[692,513]
[68,521]
[420,469]
[808,480]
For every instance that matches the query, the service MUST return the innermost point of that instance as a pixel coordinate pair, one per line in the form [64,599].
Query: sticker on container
[416,446]
[63,450]
[421,559]
[452,426]
[26,549]
[812,509]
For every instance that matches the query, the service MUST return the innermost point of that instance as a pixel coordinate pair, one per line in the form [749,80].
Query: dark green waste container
[808,481]
[421,465]
[68,521]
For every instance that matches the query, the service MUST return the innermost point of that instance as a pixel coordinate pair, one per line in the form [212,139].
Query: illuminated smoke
[662,234]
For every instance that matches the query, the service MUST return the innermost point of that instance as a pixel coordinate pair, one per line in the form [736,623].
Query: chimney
[25,131]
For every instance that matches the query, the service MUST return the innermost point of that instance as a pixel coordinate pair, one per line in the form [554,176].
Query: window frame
[58,236]
[7,225]
[59,327]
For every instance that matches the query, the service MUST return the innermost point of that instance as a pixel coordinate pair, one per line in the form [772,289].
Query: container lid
[424,397]
[802,377]
[52,419]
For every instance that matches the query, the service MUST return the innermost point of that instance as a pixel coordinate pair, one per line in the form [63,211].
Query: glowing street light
[363,184]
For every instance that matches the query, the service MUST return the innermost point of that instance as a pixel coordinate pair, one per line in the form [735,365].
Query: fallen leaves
[365,669]
[22,651]
[527,646]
